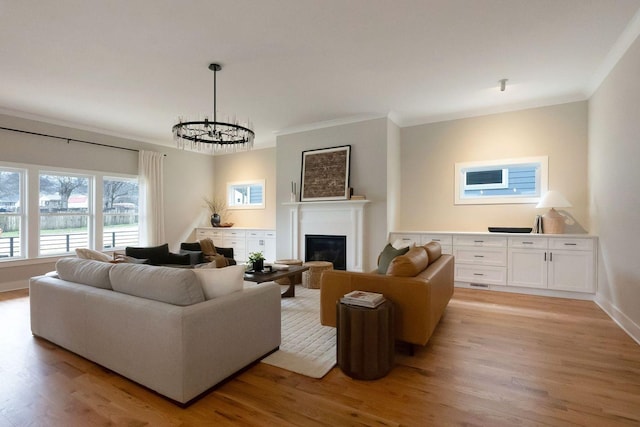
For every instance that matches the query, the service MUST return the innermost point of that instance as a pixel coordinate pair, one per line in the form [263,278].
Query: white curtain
[151,205]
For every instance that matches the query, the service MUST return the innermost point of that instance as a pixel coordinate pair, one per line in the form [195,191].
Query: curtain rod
[71,139]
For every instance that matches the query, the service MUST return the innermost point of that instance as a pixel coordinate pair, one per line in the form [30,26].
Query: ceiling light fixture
[213,137]
[503,84]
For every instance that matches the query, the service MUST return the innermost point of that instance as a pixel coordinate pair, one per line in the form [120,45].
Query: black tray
[510,229]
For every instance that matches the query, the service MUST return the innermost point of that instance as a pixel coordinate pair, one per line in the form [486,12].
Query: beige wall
[251,165]
[187,178]
[614,150]
[429,154]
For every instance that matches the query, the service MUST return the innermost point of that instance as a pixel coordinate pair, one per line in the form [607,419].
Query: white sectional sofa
[153,325]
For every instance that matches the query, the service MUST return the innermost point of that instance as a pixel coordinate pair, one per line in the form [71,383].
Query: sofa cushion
[177,286]
[155,254]
[85,271]
[86,253]
[387,255]
[434,251]
[409,264]
[217,282]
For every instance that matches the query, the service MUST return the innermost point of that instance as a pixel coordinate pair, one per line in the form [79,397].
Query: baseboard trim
[627,325]
[14,286]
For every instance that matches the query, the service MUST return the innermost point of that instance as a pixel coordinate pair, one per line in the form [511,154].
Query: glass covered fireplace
[326,248]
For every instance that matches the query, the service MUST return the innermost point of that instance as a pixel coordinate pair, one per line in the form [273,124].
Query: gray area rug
[307,347]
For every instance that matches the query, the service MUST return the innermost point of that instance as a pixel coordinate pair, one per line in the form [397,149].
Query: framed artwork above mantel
[325,174]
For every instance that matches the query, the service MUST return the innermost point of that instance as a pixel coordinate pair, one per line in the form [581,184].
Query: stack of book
[363,299]
[537,225]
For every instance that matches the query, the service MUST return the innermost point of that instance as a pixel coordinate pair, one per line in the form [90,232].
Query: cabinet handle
[478,256]
[435,240]
[527,243]
[478,241]
[545,256]
[570,244]
[550,256]
[478,274]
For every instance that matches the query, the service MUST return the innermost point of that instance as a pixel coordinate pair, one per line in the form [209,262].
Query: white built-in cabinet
[242,240]
[521,262]
[561,263]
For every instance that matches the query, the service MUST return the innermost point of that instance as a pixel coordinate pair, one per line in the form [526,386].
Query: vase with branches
[217,207]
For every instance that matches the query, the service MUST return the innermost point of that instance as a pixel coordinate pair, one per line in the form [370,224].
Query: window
[119,212]
[501,181]
[11,213]
[245,195]
[65,204]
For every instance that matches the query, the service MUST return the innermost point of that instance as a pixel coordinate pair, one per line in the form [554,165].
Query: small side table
[366,346]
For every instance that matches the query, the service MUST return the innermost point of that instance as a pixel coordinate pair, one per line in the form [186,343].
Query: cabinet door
[527,268]
[571,270]
[255,245]
[270,249]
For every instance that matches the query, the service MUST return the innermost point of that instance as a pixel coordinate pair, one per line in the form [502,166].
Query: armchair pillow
[409,264]
[387,255]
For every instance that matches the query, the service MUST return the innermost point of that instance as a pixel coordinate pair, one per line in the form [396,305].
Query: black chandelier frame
[207,135]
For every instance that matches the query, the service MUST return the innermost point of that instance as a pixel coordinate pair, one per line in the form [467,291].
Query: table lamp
[552,221]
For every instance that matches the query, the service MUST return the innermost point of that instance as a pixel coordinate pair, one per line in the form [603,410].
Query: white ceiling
[131,67]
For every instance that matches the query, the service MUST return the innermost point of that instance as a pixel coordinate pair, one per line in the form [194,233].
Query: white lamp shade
[553,199]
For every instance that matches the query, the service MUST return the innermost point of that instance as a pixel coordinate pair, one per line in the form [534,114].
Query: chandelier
[212,136]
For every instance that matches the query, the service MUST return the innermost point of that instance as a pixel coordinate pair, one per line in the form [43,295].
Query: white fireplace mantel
[341,218]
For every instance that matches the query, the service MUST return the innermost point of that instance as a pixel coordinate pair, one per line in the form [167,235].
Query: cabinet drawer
[484,241]
[443,239]
[571,243]
[527,242]
[235,234]
[408,238]
[481,274]
[484,256]
[234,243]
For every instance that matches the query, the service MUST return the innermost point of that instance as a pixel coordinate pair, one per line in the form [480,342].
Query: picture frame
[325,174]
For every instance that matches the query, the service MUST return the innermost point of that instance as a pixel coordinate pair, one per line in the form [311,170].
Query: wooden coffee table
[277,274]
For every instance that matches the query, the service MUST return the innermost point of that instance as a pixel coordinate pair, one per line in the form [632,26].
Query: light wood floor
[496,359]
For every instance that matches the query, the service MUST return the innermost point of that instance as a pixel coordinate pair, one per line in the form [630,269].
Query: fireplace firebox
[326,248]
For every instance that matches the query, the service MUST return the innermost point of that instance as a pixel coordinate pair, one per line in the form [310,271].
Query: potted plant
[217,207]
[256,259]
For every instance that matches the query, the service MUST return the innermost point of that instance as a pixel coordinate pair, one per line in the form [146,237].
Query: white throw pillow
[401,243]
[86,253]
[217,282]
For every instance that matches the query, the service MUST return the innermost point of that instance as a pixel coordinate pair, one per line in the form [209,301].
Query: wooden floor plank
[496,359]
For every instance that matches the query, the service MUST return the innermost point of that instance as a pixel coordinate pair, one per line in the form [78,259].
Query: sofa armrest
[195,257]
[177,259]
[410,296]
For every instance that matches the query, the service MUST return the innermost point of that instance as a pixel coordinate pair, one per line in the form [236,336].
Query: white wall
[430,151]
[246,166]
[394,184]
[187,178]
[368,140]
[614,150]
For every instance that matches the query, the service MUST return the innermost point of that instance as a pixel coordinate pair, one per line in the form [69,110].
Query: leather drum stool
[311,277]
[366,346]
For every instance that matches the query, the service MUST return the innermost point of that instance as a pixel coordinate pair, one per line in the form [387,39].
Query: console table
[542,264]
